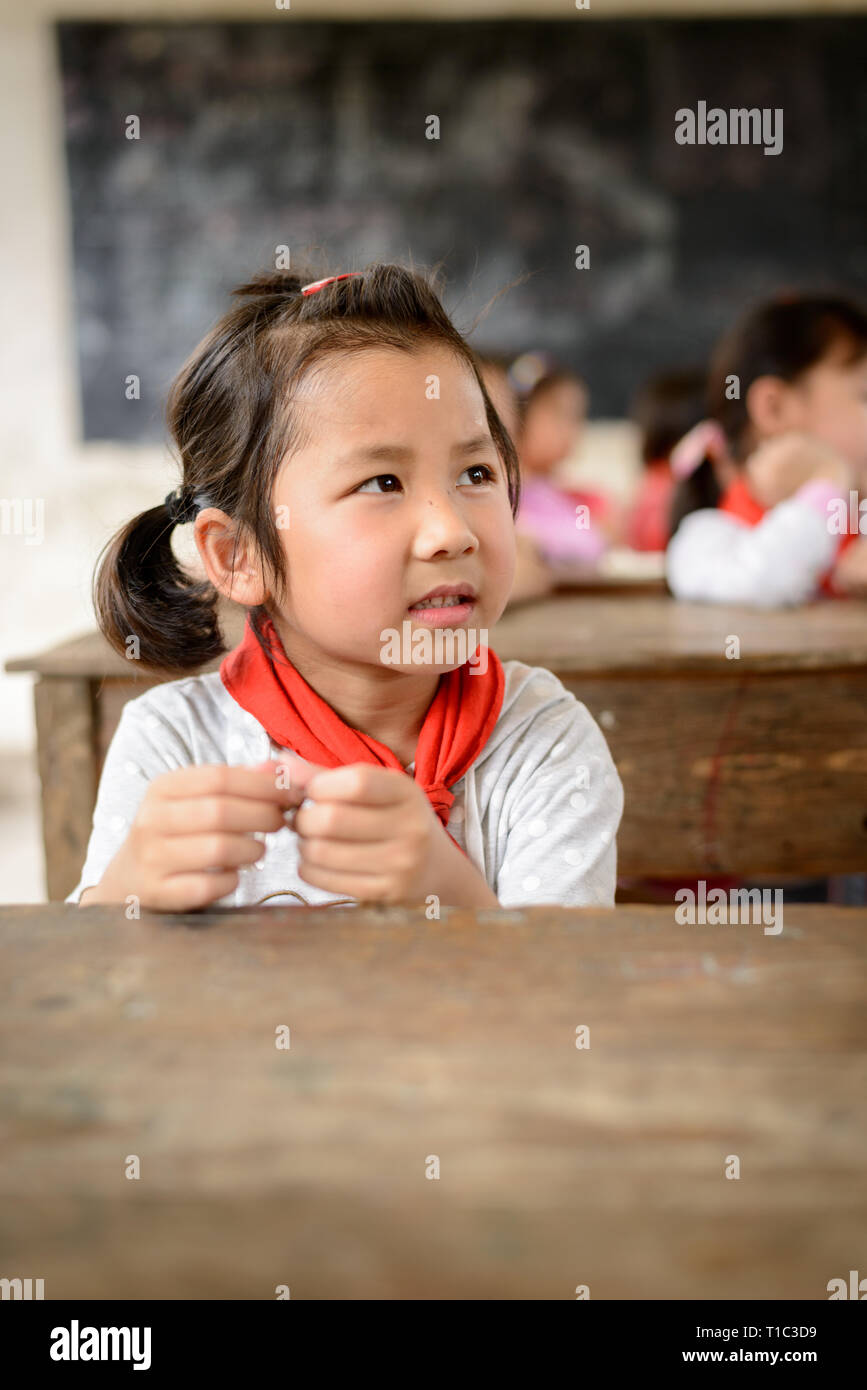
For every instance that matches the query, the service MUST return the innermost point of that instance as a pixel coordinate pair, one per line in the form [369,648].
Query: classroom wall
[88,491]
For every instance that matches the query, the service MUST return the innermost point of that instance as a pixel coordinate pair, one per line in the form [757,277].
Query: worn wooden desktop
[415,1041]
[751,766]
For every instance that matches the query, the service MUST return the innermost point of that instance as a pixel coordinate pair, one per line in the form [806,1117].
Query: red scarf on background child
[458,723]
[738,501]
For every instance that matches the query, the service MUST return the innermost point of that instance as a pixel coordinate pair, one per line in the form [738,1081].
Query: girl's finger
[356,822]
[361,783]
[292,775]
[178,854]
[203,815]
[220,779]
[344,856]
[370,888]
[190,892]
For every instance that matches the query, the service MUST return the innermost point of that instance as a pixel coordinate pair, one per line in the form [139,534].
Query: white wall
[88,491]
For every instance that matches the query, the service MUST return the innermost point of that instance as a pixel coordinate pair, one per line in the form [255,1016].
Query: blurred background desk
[753,766]
[411,1041]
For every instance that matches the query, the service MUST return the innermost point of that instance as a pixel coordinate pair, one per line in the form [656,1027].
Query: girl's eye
[489,476]
[378,479]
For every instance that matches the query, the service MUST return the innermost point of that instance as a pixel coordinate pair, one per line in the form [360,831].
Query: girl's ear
[229,558]
[773,407]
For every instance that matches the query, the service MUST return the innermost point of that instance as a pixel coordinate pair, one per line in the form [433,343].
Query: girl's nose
[441,518]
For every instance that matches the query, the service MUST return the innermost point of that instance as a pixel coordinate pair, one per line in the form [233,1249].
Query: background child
[533,575]
[666,408]
[788,386]
[552,408]
[548,404]
[342,462]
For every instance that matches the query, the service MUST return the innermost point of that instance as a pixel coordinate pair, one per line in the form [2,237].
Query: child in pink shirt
[552,407]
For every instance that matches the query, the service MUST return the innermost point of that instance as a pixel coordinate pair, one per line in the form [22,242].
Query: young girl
[754,521]
[551,407]
[666,408]
[344,470]
[534,577]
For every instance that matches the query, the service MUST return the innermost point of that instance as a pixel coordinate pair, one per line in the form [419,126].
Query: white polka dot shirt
[537,813]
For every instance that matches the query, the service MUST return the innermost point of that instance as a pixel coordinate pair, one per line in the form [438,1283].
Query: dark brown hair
[230,413]
[666,408]
[552,374]
[557,376]
[783,337]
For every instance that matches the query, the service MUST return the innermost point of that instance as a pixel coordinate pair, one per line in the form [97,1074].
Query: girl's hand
[777,468]
[371,833]
[849,575]
[193,831]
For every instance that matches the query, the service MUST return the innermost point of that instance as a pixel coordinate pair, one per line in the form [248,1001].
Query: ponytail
[147,607]
[693,493]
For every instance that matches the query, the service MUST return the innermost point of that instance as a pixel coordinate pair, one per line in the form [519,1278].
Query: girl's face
[552,426]
[830,401]
[393,494]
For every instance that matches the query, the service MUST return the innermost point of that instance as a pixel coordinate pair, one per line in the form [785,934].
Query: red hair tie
[317,284]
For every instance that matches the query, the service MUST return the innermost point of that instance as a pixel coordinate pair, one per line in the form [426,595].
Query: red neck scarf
[738,501]
[458,723]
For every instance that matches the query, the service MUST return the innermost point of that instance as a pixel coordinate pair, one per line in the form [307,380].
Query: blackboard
[553,134]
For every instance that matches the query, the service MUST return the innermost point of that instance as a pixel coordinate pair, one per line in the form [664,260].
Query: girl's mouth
[444,612]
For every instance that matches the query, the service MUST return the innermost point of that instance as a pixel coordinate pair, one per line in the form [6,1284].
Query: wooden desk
[755,766]
[559,1166]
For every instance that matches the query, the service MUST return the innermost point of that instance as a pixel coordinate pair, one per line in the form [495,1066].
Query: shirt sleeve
[144,745]
[563,814]
[715,558]
[548,515]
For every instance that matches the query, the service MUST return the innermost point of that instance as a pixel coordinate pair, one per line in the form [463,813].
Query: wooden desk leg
[66,749]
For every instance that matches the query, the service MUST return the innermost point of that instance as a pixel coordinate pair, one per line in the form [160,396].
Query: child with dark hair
[666,408]
[551,407]
[351,486]
[757,523]
[534,577]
